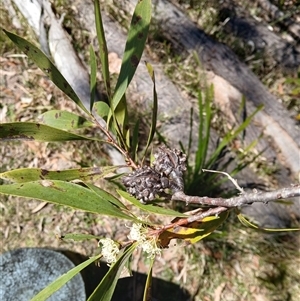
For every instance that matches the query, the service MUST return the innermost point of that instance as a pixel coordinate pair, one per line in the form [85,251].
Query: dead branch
[243,199]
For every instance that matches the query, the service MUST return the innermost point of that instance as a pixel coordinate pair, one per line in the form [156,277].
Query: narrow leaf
[148,286]
[79,237]
[105,289]
[247,223]
[66,194]
[93,79]
[149,208]
[104,194]
[102,47]
[44,63]
[23,175]
[135,141]
[134,48]
[63,120]
[154,109]
[36,131]
[62,280]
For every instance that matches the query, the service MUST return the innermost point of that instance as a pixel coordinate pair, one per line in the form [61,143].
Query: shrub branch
[243,199]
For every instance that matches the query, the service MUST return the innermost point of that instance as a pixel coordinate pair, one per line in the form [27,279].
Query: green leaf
[148,285]
[64,120]
[105,289]
[135,141]
[93,79]
[36,131]
[62,280]
[154,109]
[102,109]
[106,196]
[247,223]
[230,136]
[23,175]
[204,129]
[66,194]
[79,237]
[102,47]
[134,48]
[120,123]
[149,208]
[44,63]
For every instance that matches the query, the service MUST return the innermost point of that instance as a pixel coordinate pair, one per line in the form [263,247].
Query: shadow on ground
[129,288]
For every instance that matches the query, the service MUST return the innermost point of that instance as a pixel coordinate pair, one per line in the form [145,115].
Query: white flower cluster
[109,250]
[139,233]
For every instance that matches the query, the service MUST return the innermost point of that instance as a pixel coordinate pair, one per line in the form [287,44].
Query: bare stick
[229,177]
[244,199]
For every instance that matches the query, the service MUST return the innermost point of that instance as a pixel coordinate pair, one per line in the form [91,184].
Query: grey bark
[260,38]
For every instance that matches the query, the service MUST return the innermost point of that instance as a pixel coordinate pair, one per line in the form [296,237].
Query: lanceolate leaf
[106,288]
[64,120]
[62,280]
[135,44]
[193,232]
[148,285]
[149,208]
[102,47]
[135,141]
[43,62]
[23,175]
[247,223]
[154,109]
[79,237]
[106,195]
[65,193]
[93,80]
[36,131]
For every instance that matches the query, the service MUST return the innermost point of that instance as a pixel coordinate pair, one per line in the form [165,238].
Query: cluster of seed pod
[145,183]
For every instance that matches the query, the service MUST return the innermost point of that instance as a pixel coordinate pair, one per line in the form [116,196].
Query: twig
[243,199]
[235,183]
[112,141]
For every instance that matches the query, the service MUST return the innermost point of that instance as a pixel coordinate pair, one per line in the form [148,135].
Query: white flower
[150,247]
[139,233]
[110,250]
[136,232]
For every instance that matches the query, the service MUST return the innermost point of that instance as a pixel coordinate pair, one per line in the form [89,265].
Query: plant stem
[243,199]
